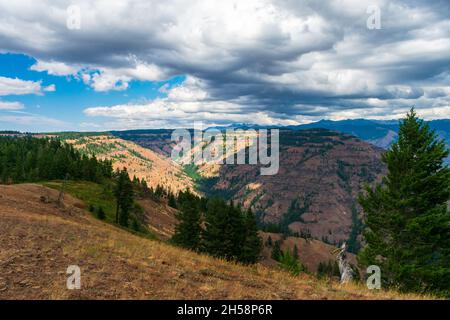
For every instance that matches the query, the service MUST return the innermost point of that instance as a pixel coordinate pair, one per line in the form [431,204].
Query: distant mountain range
[378,132]
[381,133]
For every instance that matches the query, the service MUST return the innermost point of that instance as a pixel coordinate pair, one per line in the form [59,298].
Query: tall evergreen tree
[172,202]
[215,241]
[124,197]
[224,232]
[408,224]
[276,251]
[188,231]
[251,247]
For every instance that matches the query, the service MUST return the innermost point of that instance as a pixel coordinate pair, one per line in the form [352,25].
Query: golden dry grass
[39,241]
[140,162]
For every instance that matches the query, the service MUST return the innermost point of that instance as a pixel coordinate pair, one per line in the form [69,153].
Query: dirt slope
[39,241]
[320,176]
[161,218]
[140,162]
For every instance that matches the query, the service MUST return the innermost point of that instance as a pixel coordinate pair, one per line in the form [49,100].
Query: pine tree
[124,198]
[408,224]
[269,241]
[224,233]
[216,235]
[321,270]
[251,247]
[101,213]
[289,263]
[188,231]
[295,252]
[276,251]
[172,202]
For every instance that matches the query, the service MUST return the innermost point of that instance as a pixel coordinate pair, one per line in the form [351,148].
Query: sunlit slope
[39,241]
[140,162]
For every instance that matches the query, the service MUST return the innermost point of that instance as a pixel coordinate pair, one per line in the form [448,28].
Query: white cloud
[55,68]
[15,86]
[10,86]
[103,78]
[184,105]
[292,60]
[50,88]
[107,81]
[7,105]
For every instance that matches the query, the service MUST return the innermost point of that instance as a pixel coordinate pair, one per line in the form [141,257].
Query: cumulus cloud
[7,105]
[103,78]
[15,86]
[50,88]
[55,68]
[184,105]
[259,59]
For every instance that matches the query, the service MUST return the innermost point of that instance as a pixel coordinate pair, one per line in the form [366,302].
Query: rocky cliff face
[321,174]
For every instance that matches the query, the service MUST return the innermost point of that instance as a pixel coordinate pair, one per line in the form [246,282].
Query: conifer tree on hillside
[252,244]
[295,252]
[217,228]
[217,237]
[235,232]
[124,197]
[188,231]
[289,263]
[32,159]
[269,241]
[224,233]
[408,223]
[172,202]
[276,251]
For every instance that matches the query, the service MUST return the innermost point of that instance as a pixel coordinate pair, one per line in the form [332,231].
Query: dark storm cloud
[287,58]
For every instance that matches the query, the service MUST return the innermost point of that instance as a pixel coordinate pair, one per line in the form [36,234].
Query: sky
[128,64]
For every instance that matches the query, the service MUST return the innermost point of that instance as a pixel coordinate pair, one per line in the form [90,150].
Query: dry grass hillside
[140,162]
[310,252]
[161,218]
[315,190]
[39,241]
[320,176]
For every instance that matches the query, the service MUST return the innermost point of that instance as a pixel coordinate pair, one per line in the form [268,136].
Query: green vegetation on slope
[357,227]
[93,194]
[191,171]
[217,228]
[98,197]
[408,222]
[27,159]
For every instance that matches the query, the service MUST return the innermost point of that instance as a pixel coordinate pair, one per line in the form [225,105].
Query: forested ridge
[28,159]
[208,225]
